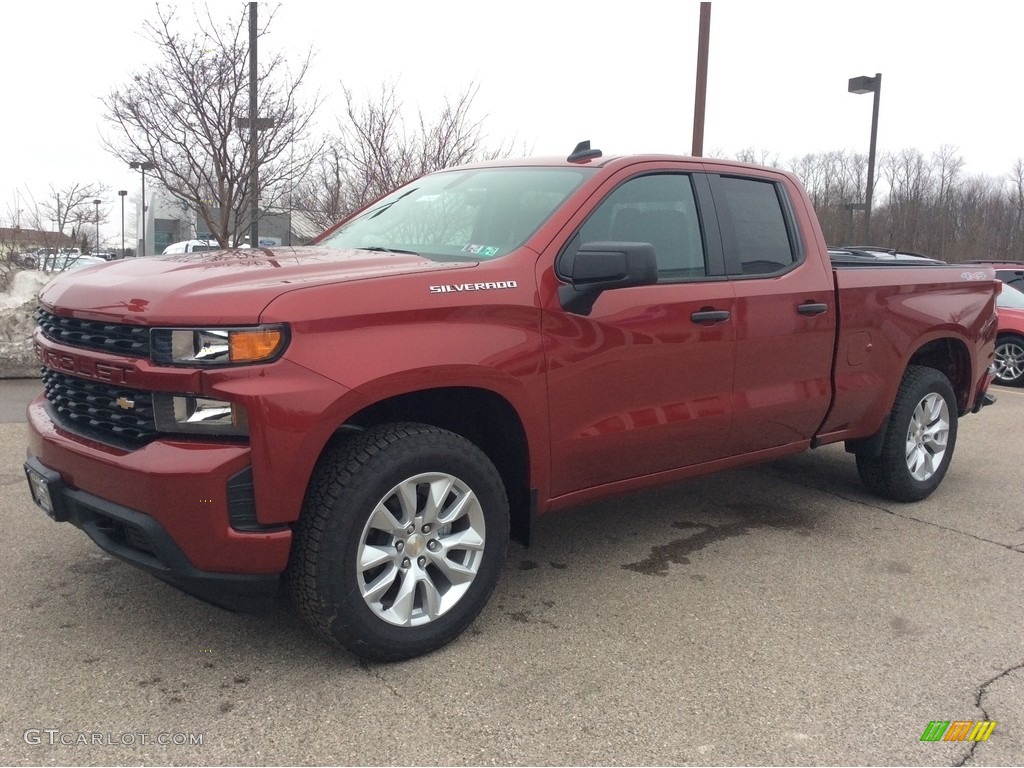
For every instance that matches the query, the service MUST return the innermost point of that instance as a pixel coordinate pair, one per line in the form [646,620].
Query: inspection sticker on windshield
[473,287]
[483,250]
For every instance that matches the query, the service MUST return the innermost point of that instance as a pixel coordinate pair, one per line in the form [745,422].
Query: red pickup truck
[370,418]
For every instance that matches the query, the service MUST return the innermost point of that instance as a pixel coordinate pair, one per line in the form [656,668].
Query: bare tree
[182,115]
[374,151]
[63,218]
[759,157]
[68,207]
[1015,236]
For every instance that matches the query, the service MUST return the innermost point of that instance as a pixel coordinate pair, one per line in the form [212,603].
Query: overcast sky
[555,72]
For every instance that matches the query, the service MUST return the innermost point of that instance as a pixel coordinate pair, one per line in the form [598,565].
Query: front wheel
[919,439]
[401,540]
[1009,360]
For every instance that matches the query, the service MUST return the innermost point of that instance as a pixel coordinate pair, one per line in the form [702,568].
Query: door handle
[812,308]
[710,316]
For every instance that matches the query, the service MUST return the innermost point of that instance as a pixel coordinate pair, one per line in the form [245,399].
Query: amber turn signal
[250,346]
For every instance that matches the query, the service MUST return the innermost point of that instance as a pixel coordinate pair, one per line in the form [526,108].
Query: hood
[216,287]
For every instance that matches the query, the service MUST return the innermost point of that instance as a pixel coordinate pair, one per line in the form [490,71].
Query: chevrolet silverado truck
[365,422]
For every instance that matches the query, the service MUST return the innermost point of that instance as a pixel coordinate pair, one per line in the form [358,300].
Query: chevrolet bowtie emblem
[125,403]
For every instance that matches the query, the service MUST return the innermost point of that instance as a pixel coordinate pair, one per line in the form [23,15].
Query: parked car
[66,262]
[195,246]
[33,258]
[1009,360]
[1010,272]
[374,415]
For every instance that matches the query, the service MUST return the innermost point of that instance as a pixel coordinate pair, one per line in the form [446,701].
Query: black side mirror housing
[604,266]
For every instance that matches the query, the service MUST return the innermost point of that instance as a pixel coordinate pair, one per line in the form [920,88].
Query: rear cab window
[759,235]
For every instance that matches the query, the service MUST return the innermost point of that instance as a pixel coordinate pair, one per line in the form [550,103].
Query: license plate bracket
[47,489]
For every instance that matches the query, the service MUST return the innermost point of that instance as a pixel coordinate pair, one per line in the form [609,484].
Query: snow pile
[17,304]
[24,287]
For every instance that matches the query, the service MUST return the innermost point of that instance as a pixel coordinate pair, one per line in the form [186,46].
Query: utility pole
[254,233]
[701,91]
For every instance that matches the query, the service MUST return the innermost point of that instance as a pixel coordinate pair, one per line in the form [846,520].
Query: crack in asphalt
[982,690]
[378,676]
[830,492]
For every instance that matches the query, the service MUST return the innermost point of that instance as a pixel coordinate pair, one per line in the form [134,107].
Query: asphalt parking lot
[770,616]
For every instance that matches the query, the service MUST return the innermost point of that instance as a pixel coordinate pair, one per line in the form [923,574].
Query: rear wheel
[401,540]
[919,439]
[1009,360]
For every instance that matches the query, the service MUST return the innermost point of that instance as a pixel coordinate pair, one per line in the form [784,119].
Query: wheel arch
[482,416]
[951,357]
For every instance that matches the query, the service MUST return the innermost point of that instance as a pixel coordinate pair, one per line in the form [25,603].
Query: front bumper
[163,508]
[141,541]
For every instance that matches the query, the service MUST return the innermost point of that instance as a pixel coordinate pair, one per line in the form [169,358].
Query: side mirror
[604,266]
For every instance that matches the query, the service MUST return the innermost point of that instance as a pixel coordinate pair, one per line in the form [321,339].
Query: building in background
[169,220]
[15,241]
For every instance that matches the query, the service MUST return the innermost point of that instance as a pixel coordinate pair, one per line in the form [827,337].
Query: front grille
[115,338]
[108,413]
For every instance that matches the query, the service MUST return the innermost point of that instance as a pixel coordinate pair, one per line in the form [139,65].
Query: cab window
[659,209]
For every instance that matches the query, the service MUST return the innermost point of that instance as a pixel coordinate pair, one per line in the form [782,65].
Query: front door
[643,384]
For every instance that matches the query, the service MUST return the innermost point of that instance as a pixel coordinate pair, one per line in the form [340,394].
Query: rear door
[785,313]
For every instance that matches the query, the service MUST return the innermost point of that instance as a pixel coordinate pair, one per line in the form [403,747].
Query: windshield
[470,215]
[1010,298]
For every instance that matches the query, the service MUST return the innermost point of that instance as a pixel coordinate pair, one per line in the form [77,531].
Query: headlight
[196,415]
[217,346]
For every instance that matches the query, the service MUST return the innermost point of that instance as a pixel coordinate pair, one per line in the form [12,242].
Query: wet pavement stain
[902,627]
[558,566]
[527,565]
[676,551]
[527,617]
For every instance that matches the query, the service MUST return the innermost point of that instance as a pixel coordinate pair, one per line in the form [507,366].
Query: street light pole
[97,204]
[121,193]
[862,85]
[143,166]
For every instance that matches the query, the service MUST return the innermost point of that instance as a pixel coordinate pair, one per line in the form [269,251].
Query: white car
[194,246]
[69,262]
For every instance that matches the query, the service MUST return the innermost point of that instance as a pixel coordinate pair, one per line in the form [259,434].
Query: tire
[371,569]
[919,439]
[1009,360]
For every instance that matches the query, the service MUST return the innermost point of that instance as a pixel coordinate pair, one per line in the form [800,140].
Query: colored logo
[958,730]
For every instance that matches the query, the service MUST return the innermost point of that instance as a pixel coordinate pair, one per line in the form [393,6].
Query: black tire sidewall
[354,623]
[925,381]
[1010,339]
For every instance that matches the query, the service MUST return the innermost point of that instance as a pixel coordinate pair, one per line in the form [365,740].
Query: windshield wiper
[381,249]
